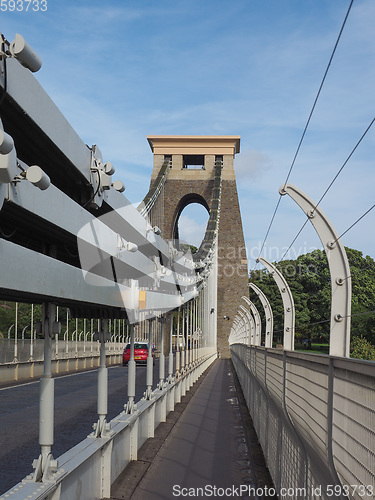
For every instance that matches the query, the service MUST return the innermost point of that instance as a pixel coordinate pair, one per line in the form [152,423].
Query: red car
[140,353]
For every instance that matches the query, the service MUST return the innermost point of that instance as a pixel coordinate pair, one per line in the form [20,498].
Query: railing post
[150,363]
[170,355]
[45,465]
[32,334]
[184,353]
[190,334]
[288,303]
[268,313]
[341,286]
[178,355]
[162,357]
[16,335]
[76,338]
[101,428]
[195,331]
[130,407]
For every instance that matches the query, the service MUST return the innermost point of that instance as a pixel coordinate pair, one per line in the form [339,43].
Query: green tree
[363,294]
[362,349]
[309,280]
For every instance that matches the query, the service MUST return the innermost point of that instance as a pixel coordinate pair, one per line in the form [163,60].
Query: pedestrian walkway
[207,447]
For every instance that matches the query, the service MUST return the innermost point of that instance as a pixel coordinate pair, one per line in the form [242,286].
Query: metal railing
[94,464]
[315,419]
[28,350]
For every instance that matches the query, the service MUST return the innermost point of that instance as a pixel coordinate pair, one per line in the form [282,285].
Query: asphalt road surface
[75,412]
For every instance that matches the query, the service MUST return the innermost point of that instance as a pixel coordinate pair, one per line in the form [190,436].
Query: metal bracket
[45,467]
[288,303]
[148,394]
[100,177]
[130,407]
[339,269]
[268,313]
[102,429]
[162,384]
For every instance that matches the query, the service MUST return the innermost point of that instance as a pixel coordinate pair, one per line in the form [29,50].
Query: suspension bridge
[71,239]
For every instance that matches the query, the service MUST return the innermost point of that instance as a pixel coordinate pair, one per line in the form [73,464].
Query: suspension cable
[318,94]
[354,223]
[331,184]
[269,228]
[303,327]
[345,162]
[307,123]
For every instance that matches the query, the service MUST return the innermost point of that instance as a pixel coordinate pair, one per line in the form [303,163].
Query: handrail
[314,407]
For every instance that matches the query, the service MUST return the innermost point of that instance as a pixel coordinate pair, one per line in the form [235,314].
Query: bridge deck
[207,442]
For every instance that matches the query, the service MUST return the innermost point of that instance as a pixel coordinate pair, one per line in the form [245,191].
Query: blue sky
[121,70]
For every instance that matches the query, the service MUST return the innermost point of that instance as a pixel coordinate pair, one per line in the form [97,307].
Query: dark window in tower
[193,162]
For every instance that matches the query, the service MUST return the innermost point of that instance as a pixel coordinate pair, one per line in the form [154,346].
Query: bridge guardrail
[314,416]
[27,350]
[88,470]
[67,357]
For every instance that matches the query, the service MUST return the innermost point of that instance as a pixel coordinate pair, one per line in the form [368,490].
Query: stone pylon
[190,179]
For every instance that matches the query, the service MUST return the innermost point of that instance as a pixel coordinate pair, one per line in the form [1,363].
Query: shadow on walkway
[207,447]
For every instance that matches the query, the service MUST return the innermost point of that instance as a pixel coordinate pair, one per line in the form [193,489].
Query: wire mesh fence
[315,419]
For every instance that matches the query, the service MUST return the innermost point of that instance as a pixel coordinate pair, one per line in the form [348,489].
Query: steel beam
[35,103]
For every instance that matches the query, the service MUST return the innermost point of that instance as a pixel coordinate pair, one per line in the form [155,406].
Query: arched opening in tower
[191,225]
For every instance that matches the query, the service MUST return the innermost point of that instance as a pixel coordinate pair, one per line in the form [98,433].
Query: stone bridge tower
[190,179]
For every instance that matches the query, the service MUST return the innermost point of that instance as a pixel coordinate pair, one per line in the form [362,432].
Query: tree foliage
[361,348]
[309,280]
[24,314]
[8,318]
